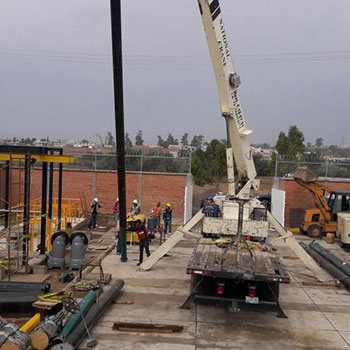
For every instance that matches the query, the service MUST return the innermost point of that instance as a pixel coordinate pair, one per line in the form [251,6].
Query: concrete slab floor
[318,316]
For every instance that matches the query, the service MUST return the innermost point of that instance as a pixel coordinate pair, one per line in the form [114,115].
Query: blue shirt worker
[94,211]
[167,217]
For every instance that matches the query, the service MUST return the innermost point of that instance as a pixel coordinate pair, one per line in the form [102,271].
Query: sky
[56,70]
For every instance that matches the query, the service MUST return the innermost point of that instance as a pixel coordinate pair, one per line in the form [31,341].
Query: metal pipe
[76,318]
[329,267]
[31,324]
[47,330]
[341,265]
[94,314]
[43,209]
[116,28]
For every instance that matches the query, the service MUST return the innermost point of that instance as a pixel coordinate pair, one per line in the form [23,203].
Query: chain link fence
[161,162]
[322,167]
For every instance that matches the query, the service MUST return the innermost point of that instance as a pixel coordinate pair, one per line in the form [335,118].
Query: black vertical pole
[43,208]
[119,116]
[60,183]
[49,214]
[7,193]
[26,208]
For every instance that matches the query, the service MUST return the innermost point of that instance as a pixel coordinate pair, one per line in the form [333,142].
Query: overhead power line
[182,60]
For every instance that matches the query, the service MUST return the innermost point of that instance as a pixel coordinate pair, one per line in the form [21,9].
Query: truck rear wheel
[314,231]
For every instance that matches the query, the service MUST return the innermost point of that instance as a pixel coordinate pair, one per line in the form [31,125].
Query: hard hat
[168,205]
[135,201]
[95,199]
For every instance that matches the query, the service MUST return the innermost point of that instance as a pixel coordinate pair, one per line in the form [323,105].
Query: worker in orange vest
[157,212]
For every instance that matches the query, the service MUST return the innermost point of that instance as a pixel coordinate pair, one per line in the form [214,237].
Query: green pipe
[316,246]
[75,319]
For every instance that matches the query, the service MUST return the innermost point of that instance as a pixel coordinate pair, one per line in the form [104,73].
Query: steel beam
[47,158]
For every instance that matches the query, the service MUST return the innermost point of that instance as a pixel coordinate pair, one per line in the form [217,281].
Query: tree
[160,142]
[319,142]
[296,141]
[184,139]
[209,166]
[282,143]
[128,142]
[138,139]
[288,145]
[291,144]
[109,139]
[171,140]
[197,141]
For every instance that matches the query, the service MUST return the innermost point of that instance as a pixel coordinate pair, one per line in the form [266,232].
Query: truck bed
[234,262]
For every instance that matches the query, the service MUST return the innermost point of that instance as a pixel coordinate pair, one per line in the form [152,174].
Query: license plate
[252,300]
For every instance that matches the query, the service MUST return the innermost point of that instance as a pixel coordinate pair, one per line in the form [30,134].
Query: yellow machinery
[131,235]
[323,219]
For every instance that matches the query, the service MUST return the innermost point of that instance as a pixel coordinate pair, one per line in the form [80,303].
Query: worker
[157,212]
[167,218]
[69,229]
[211,208]
[116,212]
[135,208]
[94,211]
[151,225]
[144,242]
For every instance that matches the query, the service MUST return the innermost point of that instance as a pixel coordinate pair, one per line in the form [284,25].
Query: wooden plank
[147,327]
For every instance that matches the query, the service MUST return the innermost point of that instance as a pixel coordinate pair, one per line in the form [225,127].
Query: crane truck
[234,265]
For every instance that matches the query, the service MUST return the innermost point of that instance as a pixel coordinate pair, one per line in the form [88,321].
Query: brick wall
[299,198]
[148,188]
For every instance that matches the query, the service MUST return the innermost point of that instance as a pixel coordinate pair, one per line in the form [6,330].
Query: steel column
[60,185]
[50,190]
[119,116]
[43,209]
[7,193]
[26,208]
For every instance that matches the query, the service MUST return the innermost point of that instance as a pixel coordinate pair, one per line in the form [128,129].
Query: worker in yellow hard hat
[167,218]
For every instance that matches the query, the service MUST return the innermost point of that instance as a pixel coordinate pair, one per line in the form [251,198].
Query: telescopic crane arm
[228,81]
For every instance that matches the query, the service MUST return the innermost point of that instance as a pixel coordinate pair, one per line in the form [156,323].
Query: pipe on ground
[341,265]
[94,314]
[29,326]
[329,267]
[75,319]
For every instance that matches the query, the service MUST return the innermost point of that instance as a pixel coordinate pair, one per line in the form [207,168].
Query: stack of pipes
[336,267]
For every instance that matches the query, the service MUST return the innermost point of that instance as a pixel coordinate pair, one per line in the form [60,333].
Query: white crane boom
[228,82]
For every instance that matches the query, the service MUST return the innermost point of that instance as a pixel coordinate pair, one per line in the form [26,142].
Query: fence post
[140,190]
[276,163]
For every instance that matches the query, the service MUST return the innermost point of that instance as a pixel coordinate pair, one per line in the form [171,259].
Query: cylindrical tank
[79,243]
[17,341]
[59,241]
[6,331]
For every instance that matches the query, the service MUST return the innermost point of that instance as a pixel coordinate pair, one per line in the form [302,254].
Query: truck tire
[314,231]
